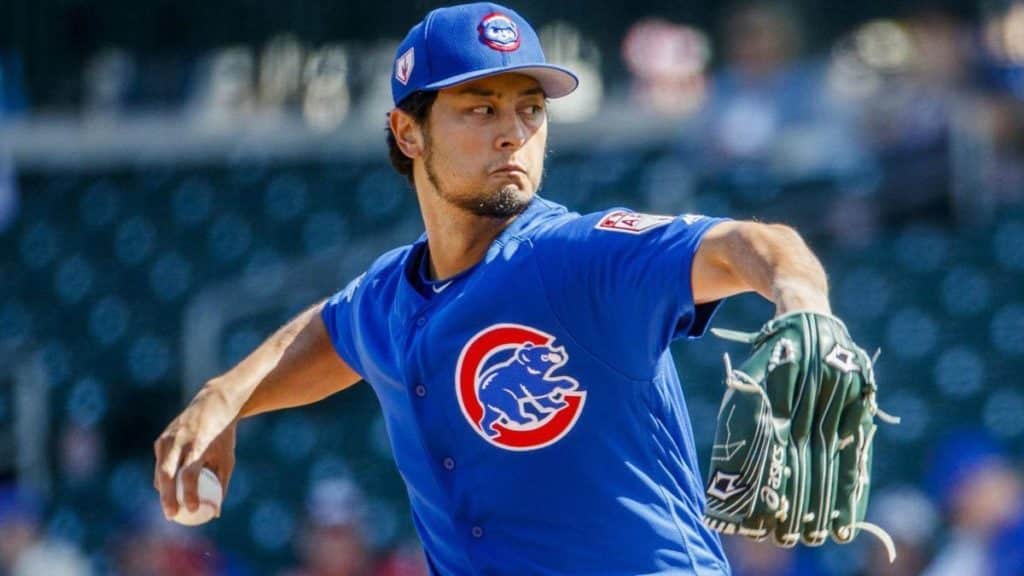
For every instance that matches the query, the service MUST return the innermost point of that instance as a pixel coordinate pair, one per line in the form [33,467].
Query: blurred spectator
[224,93]
[908,81]
[983,498]
[770,118]
[406,560]
[565,44]
[81,454]
[988,156]
[750,558]
[1003,32]
[334,541]
[326,101]
[761,40]
[373,88]
[920,174]
[280,75]
[108,79]
[149,545]
[24,550]
[668,62]
[912,521]
[989,130]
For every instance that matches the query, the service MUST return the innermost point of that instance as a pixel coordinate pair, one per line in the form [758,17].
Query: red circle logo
[509,389]
[499,32]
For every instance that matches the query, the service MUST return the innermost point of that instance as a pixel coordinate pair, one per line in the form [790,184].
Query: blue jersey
[532,403]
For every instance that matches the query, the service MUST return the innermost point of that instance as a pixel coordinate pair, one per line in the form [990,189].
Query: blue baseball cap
[461,43]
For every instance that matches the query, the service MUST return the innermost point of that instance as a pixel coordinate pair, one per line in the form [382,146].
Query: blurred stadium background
[177,178]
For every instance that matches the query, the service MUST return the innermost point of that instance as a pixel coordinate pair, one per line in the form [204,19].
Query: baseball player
[520,351]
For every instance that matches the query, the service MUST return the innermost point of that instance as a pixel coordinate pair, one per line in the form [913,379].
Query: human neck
[458,240]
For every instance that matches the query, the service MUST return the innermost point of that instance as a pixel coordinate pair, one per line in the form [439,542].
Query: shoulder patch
[631,222]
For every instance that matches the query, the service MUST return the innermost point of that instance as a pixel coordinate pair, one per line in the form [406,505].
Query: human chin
[506,201]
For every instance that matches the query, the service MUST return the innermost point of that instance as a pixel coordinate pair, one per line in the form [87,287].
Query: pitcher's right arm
[295,366]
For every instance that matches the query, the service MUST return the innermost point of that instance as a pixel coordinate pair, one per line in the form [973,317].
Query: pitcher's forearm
[775,262]
[297,365]
[770,259]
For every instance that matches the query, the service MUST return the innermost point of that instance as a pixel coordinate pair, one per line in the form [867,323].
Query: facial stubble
[503,203]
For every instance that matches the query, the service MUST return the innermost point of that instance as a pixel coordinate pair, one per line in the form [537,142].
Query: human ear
[407,133]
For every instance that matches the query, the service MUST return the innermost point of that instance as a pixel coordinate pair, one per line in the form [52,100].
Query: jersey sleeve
[339,314]
[621,283]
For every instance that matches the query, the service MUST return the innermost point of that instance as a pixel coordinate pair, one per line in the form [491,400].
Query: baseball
[210,495]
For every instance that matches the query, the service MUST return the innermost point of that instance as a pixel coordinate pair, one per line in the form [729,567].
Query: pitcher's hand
[202,435]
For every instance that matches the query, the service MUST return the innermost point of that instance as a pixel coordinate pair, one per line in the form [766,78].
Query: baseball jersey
[532,404]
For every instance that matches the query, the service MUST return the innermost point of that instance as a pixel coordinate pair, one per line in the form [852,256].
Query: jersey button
[477,532]
[421,390]
[421,321]
[449,464]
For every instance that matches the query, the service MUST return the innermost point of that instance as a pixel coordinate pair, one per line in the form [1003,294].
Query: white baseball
[210,496]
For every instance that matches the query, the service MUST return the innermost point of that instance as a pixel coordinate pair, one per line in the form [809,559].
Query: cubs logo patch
[631,222]
[499,32]
[404,65]
[508,386]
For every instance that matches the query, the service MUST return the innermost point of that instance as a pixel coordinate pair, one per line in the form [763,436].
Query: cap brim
[554,80]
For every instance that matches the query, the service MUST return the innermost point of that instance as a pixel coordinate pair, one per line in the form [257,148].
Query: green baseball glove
[792,452]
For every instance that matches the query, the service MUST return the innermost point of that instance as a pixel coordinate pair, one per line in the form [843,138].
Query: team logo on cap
[499,32]
[403,66]
[509,389]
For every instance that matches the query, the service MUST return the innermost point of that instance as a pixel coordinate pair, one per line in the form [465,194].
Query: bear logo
[521,390]
[499,32]
[510,391]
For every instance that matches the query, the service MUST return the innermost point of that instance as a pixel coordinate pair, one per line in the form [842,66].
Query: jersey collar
[415,267]
[539,210]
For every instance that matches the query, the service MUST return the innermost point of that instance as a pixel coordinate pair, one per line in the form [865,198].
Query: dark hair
[417,105]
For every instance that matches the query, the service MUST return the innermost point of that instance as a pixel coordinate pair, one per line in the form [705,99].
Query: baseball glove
[792,453]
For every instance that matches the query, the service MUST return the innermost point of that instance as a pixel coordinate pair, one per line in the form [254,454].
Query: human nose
[513,132]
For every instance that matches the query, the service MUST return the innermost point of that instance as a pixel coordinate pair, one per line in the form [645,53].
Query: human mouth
[510,168]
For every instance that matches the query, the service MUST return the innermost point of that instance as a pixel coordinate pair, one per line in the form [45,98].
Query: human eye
[481,110]
[533,110]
